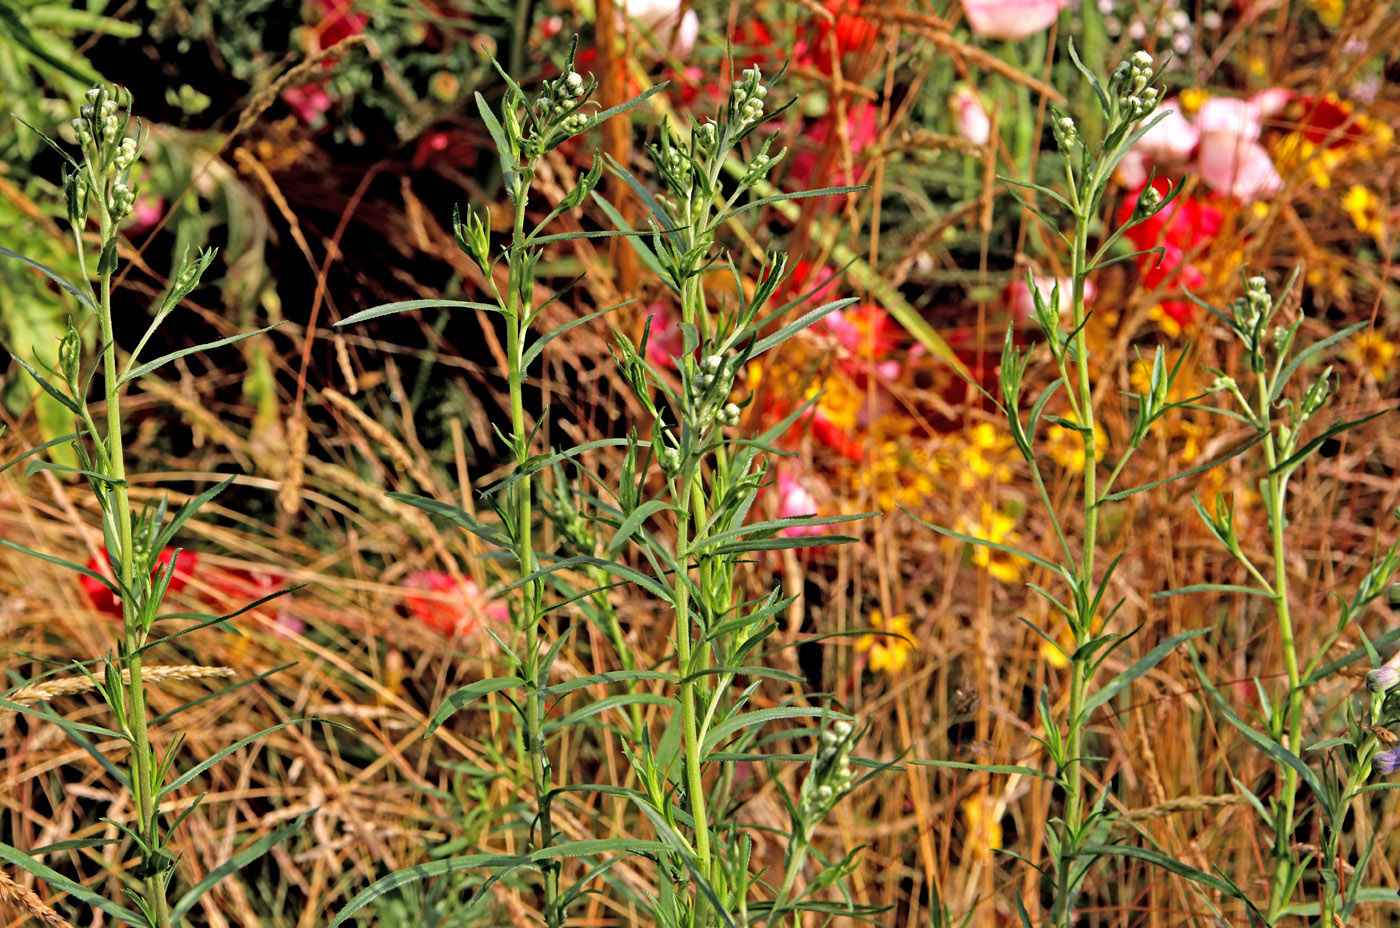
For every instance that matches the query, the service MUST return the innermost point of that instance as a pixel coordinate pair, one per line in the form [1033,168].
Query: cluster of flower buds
[1251,307]
[669,458]
[97,119]
[706,137]
[1129,84]
[120,203]
[831,773]
[710,383]
[1065,131]
[746,97]
[70,358]
[1148,202]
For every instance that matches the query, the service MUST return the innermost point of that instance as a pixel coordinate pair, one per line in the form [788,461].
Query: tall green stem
[1276,487]
[143,787]
[517,331]
[1073,814]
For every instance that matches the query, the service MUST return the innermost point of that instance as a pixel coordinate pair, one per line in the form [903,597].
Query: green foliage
[674,524]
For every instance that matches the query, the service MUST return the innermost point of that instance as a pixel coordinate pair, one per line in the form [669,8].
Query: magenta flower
[796,500]
[971,116]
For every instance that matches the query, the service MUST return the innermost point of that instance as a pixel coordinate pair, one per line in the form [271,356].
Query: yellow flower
[1054,656]
[984,457]
[996,527]
[1067,445]
[888,654]
[1192,99]
[840,401]
[1364,207]
[1330,11]
[1373,351]
[983,825]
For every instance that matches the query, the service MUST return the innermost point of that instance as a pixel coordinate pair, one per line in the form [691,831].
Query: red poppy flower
[446,605]
[108,603]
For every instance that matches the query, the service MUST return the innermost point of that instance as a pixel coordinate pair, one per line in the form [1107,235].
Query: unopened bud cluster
[1251,307]
[710,384]
[110,154]
[1130,86]
[1065,131]
[832,774]
[1148,202]
[746,97]
[558,110]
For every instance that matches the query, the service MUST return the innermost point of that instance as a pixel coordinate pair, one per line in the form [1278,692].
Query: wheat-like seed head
[69,686]
[16,896]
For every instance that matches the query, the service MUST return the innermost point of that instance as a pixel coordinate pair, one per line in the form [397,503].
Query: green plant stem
[144,790]
[1293,706]
[1073,814]
[695,784]
[516,333]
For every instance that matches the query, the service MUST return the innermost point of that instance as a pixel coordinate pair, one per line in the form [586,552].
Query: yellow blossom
[1330,11]
[888,654]
[1067,445]
[984,458]
[1192,99]
[1373,351]
[1365,210]
[997,527]
[983,825]
[1054,656]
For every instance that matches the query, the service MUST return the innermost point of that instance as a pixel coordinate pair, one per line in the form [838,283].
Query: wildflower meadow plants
[140,569]
[1081,836]
[672,521]
[1279,412]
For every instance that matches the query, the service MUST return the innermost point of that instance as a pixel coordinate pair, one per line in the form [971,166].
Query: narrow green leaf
[79,568]
[63,398]
[1170,864]
[235,863]
[797,325]
[983,542]
[241,743]
[781,197]
[537,347]
[1144,664]
[988,768]
[388,309]
[425,871]
[149,366]
[53,275]
[1124,494]
[603,679]
[1213,588]
[466,695]
[41,448]
[1315,443]
[724,729]
[1301,357]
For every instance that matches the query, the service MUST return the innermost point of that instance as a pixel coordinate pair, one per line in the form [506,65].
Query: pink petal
[1237,166]
[1011,19]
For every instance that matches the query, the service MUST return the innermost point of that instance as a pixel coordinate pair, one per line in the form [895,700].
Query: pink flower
[1237,166]
[309,101]
[663,19]
[449,606]
[666,342]
[1171,139]
[1011,19]
[796,500]
[1022,303]
[1222,141]
[971,115]
[145,214]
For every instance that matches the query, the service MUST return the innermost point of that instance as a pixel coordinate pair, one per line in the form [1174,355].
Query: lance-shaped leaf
[235,863]
[468,694]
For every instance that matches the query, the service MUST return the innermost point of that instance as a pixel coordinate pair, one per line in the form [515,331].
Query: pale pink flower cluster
[1221,143]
